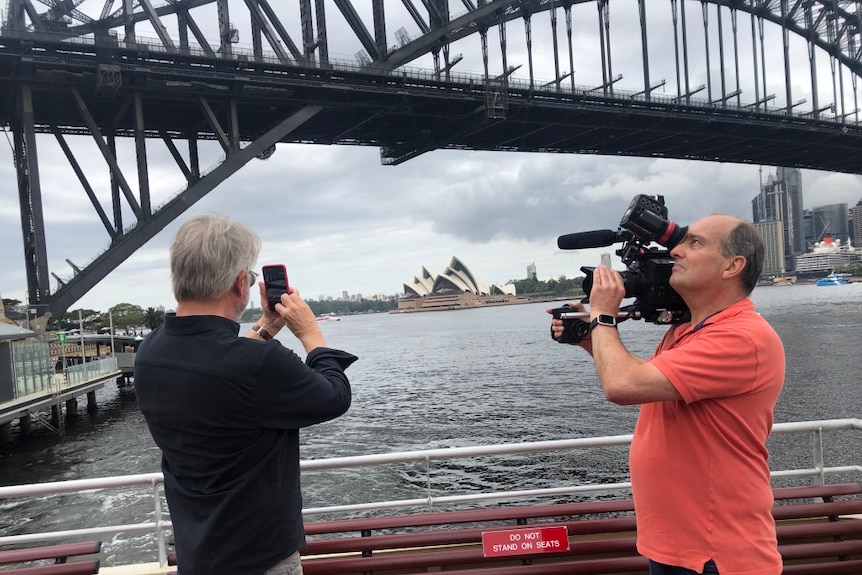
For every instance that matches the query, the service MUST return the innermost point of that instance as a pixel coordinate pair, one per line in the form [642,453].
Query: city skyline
[791,231]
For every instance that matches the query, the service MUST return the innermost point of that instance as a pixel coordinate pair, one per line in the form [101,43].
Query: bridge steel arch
[144,72]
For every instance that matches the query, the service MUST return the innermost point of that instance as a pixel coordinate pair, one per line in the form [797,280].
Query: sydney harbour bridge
[770,82]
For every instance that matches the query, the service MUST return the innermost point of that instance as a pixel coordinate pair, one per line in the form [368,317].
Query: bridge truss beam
[66,72]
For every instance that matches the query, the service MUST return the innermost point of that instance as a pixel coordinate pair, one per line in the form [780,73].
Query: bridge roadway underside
[185,96]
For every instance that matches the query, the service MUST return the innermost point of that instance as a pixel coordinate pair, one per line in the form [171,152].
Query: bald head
[740,238]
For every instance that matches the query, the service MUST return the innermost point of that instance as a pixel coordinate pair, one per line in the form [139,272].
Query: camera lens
[634,283]
[632,280]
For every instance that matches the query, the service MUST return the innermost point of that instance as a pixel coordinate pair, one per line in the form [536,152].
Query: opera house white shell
[455,279]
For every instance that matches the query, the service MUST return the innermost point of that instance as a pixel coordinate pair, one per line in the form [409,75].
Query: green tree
[337,307]
[854,268]
[530,285]
[127,315]
[560,286]
[569,286]
[153,317]
[11,307]
[91,320]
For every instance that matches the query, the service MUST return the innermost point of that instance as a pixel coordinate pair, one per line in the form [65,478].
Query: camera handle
[576,324]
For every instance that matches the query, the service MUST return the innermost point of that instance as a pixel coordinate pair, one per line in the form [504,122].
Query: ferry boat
[834,279]
[497,531]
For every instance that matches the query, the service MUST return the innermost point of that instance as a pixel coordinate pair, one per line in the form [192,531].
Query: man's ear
[734,267]
[238,284]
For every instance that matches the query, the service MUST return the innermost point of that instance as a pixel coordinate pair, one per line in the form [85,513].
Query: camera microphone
[593,239]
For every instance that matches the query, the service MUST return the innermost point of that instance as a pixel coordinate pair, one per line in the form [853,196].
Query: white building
[772,233]
[457,287]
[826,257]
[457,278]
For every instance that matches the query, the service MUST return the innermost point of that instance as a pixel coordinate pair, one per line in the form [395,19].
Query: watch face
[603,319]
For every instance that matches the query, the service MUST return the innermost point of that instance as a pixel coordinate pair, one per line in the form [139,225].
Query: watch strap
[261,331]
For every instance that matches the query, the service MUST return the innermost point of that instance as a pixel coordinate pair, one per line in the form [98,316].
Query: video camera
[648,268]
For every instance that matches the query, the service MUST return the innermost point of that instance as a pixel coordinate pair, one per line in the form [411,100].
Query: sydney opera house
[457,287]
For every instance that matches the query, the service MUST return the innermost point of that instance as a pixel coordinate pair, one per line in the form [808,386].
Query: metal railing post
[160,532]
[428,481]
[819,462]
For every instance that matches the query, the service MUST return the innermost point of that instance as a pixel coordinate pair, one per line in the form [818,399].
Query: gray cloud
[341,221]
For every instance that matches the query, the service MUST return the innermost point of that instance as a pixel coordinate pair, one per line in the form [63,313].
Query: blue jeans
[661,569]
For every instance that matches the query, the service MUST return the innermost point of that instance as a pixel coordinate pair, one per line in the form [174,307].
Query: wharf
[38,375]
[89,347]
[61,391]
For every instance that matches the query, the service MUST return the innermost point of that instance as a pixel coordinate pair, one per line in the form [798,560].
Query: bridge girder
[119,90]
[833,25]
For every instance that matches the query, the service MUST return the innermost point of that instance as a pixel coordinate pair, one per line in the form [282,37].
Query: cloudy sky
[342,222]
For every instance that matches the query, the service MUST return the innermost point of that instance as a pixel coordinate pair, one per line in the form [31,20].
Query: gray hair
[207,254]
[744,240]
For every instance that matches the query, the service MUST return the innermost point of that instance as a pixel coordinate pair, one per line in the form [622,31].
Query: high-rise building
[831,221]
[531,271]
[856,224]
[772,204]
[810,232]
[773,240]
[791,179]
[769,204]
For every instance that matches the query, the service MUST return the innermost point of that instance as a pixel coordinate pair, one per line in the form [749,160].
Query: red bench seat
[31,561]
[812,538]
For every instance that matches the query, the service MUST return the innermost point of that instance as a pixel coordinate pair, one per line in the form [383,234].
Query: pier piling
[25,425]
[71,408]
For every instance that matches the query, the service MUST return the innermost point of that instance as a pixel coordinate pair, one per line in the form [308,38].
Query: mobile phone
[275,281]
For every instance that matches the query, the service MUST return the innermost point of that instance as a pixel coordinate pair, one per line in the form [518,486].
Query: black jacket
[226,412]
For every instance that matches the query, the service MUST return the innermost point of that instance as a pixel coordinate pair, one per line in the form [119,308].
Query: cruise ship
[826,256]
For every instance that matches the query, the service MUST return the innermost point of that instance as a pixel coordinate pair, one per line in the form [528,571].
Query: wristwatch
[603,319]
[261,331]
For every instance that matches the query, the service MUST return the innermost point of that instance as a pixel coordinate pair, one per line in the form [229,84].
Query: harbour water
[459,378]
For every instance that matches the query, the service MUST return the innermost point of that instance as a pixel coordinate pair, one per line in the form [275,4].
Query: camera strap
[702,322]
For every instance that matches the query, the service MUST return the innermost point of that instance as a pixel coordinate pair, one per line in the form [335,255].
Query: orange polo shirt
[699,466]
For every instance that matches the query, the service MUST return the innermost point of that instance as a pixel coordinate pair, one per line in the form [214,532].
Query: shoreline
[460,302]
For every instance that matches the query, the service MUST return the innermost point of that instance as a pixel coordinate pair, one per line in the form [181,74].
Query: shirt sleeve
[294,394]
[719,361]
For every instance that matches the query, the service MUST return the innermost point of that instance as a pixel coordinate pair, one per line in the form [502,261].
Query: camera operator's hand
[607,292]
[578,329]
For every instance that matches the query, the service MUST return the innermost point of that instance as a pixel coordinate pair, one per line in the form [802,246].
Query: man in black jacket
[226,410]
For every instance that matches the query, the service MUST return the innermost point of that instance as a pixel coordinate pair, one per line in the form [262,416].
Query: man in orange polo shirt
[698,459]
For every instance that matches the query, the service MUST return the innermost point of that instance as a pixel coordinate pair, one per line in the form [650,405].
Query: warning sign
[525,541]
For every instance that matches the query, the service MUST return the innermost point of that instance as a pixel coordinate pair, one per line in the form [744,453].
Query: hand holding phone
[275,281]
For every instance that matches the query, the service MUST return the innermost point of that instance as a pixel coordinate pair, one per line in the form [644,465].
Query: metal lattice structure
[173,73]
